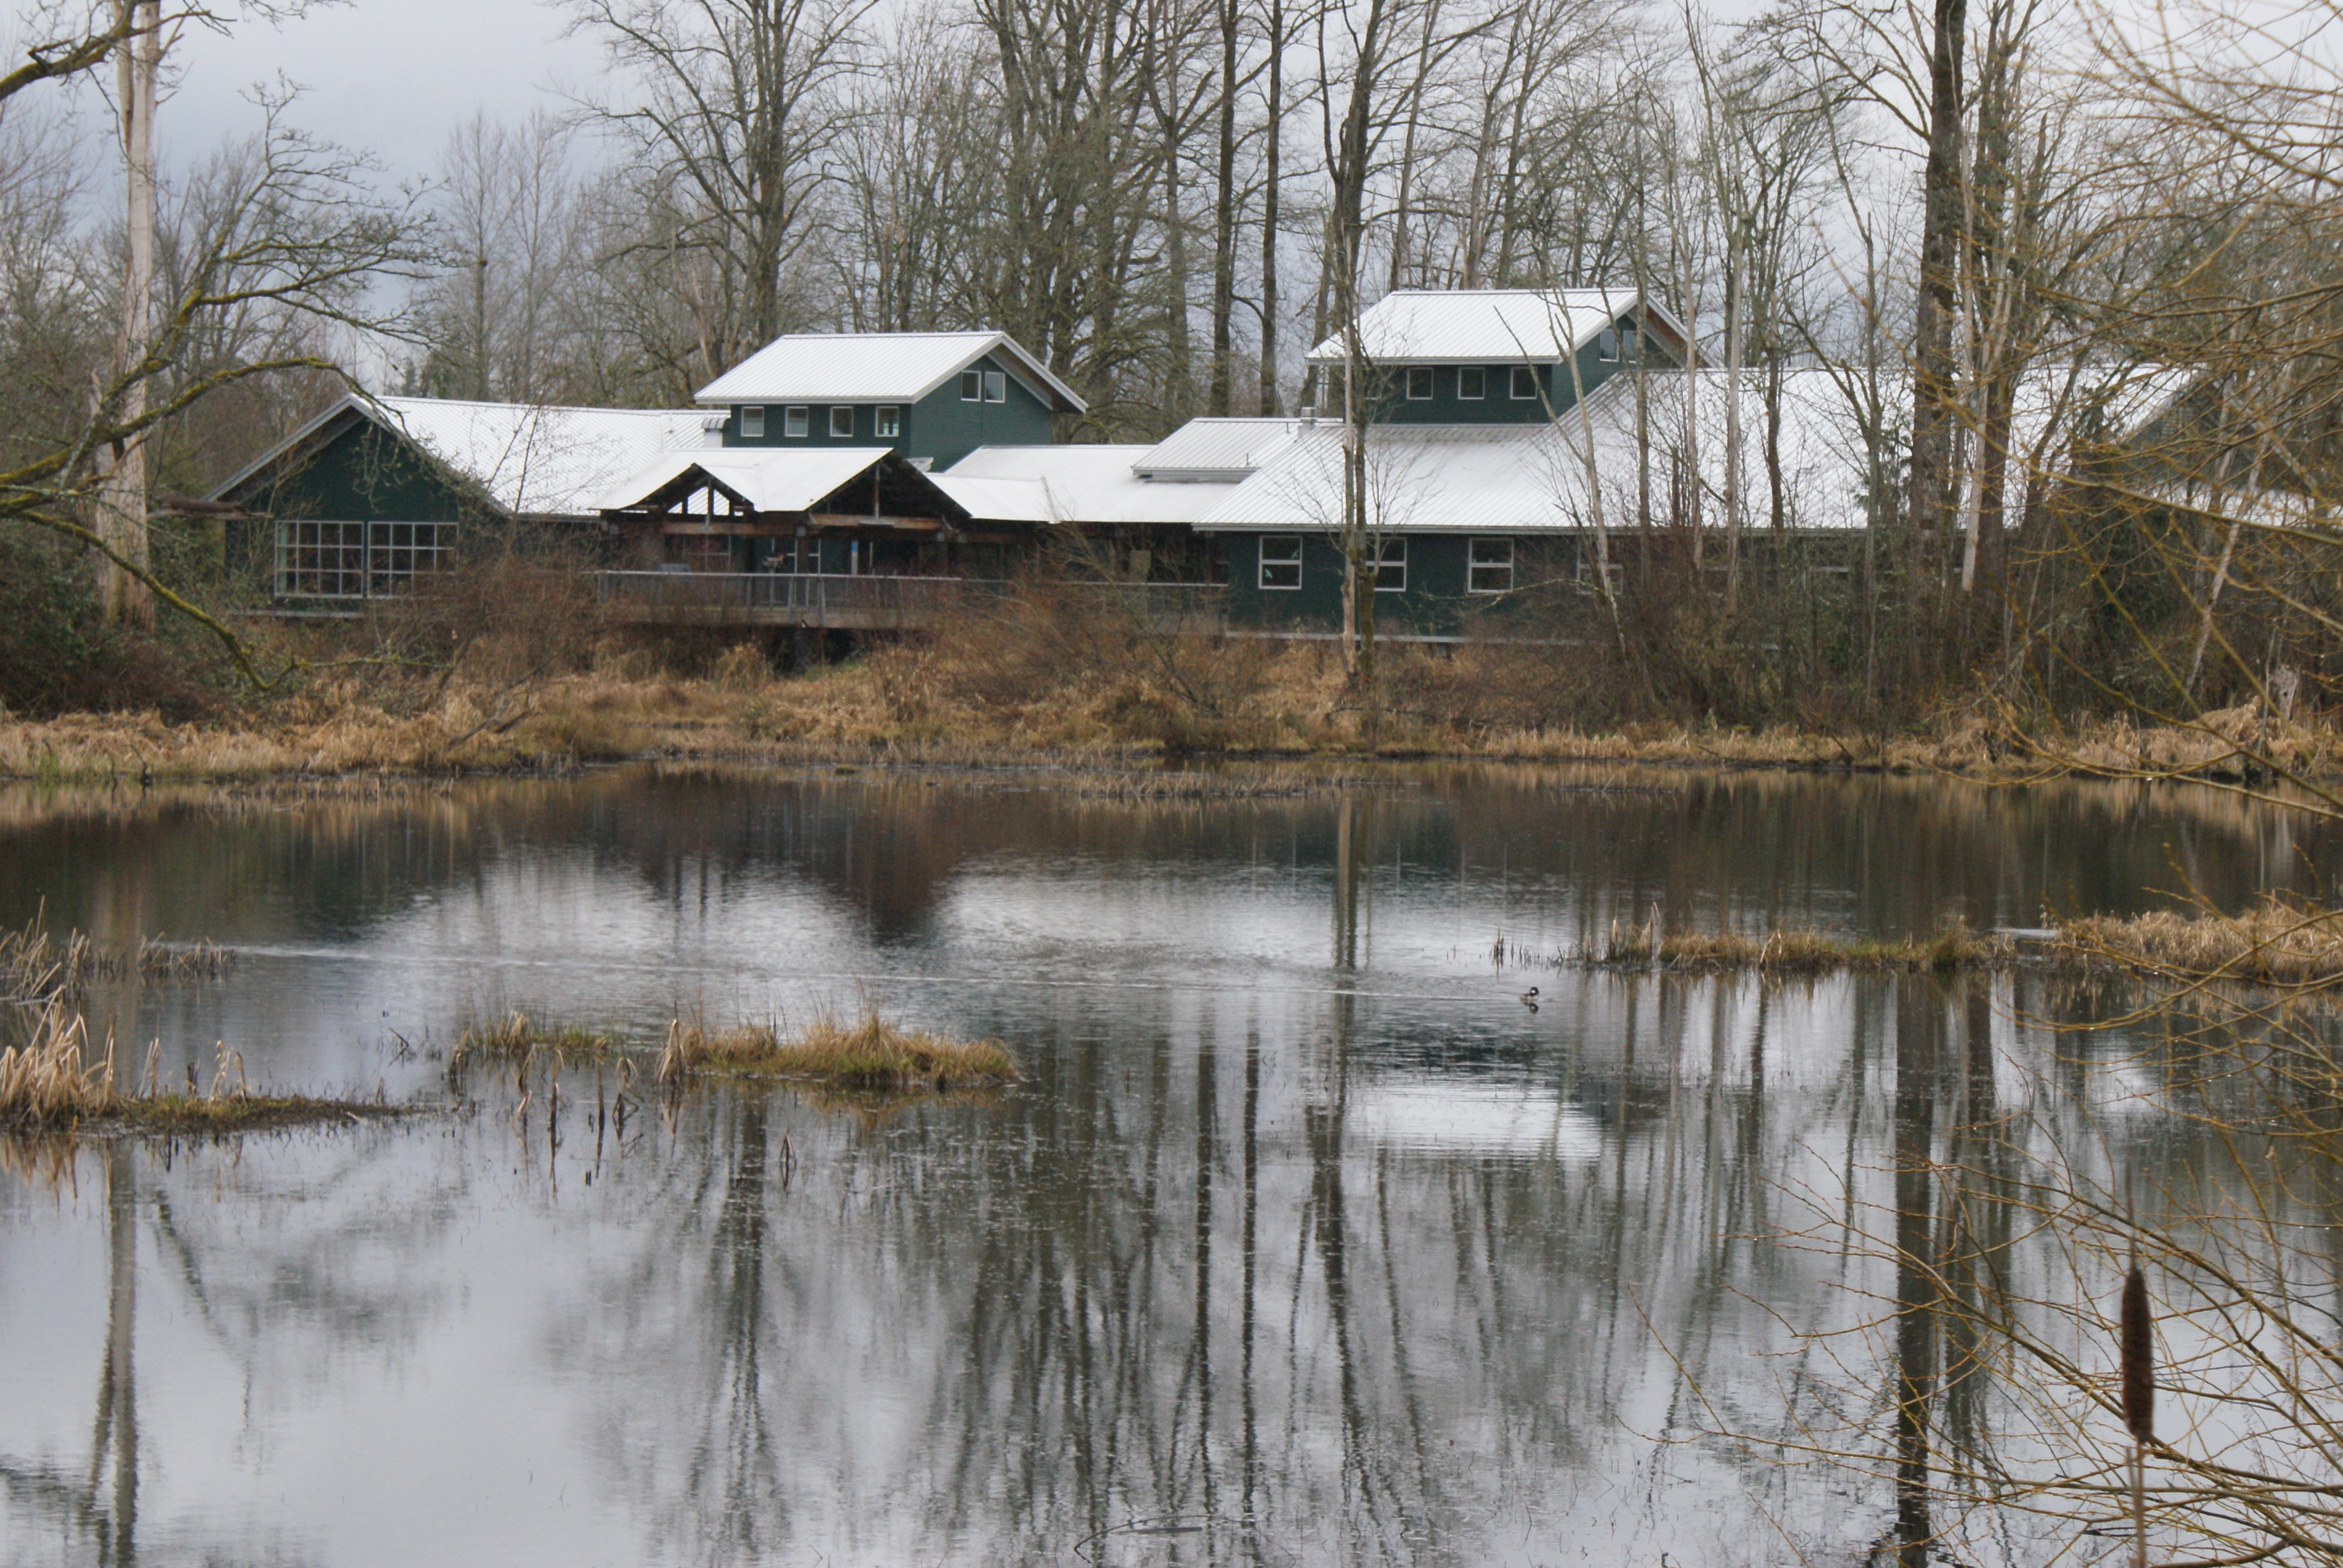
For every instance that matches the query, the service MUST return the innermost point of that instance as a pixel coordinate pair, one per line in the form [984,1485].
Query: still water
[1307,1241]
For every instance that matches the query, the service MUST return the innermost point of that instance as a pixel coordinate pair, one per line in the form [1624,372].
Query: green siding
[1500,406]
[1434,604]
[360,473]
[940,427]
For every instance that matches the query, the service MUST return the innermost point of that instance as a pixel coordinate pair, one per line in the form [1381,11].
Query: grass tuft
[51,1083]
[518,1036]
[36,965]
[872,1054]
[1800,951]
[2276,941]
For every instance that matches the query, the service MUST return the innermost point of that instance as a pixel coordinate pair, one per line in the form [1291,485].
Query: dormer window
[1419,382]
[1472,383]
[842,422]
[1525,382]
[752,424]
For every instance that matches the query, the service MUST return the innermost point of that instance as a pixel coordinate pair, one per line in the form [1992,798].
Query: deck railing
[818,599]
[813,595]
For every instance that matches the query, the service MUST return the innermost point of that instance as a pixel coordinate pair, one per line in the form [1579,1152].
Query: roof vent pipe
[1310,412]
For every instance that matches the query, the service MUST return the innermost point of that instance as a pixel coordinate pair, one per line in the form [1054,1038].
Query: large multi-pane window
[321,560]
[358,560]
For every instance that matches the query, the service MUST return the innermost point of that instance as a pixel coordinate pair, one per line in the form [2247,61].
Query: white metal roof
[529,458]
[1493,325]
[769,478]
[997,500]
[1481,478]
[1419,478]
[1215,449]
[1081,484]
[874,368]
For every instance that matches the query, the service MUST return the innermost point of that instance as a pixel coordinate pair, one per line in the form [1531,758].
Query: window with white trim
[358,560]
[1419,382]
[890,422]
[842,422]
[1472,383]
[321,560]
[996,387]
[1525,382]
[1280,561]
[398,553]
[1606,347]
[1391,566]
[793,423]
[1489,567]
[752,423]
[972,385]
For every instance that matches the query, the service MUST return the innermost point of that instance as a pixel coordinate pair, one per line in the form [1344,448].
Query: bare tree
[740,104]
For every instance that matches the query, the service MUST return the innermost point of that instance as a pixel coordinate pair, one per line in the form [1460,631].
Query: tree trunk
[123,599]
[1933,391]
[1273,134]
[1224,218]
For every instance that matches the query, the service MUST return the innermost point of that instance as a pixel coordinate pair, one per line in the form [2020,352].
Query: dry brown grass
[1048,671]
[517,1036]
[56,1081]
[2276,941]
[36,965]
[1801,951]
[872,1054]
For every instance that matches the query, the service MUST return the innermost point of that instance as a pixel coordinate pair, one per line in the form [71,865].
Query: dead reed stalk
[48,1080]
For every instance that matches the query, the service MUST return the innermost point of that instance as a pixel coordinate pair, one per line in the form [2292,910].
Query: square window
[793,423]
[1488,568]
[1419,382]
[890,422]
[972,385]
[842,422]
[1526,381]
[996,387]
[1280,561]
[1391,566]
[752,424]
[1472,383]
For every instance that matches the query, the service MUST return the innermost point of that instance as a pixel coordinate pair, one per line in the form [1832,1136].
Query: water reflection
[1292,1250]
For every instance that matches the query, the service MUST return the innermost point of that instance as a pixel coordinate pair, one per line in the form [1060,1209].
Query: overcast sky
[394,76]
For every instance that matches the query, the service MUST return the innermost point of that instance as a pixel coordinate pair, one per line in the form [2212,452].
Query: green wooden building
[931,396]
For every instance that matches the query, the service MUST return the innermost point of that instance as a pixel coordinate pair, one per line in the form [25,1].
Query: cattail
[2136,1342]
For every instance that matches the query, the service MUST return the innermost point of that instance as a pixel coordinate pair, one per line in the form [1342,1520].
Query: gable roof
[1494,325]
[528,459]
[768,479]
[876,367]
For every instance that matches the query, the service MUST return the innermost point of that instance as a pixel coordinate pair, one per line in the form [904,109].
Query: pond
[1308,1238]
